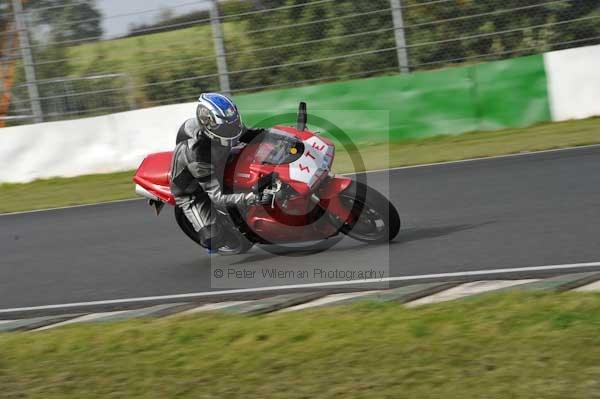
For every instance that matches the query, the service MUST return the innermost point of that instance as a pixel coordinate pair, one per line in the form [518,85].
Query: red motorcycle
[309,202]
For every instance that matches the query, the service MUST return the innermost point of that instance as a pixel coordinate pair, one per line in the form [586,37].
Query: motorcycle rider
[199,159]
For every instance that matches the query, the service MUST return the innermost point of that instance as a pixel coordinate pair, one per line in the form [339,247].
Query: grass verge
[494,346]
[97,188]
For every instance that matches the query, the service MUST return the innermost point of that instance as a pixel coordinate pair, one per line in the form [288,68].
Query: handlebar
[264,182]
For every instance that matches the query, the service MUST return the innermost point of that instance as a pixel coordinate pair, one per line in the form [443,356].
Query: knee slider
[210,237]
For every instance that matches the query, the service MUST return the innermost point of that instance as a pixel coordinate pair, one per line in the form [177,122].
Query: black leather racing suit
[196,180]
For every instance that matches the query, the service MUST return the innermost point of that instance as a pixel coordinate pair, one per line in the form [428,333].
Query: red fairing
[330,199]
[154,175]
[334,186]
[302,161]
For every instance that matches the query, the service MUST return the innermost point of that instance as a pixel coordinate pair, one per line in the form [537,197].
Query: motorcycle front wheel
[376,219]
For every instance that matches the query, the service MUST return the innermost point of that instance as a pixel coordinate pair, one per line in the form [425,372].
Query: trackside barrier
[511,93]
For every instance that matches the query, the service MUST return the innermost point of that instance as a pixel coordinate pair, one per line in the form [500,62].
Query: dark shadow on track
[404,237]
[290,251]
[258,255]
[418,234]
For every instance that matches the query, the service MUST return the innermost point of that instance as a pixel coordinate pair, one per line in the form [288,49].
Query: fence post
[28,65]
[129,91]
[219,48]
[402,51]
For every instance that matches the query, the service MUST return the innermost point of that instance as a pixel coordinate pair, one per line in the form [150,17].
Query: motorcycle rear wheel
[378,221]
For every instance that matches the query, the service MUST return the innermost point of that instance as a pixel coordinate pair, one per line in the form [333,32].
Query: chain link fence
[243,46]
[75,97]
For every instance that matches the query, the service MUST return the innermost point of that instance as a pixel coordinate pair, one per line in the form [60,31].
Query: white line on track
[303,286]
[520,154]
[345,174]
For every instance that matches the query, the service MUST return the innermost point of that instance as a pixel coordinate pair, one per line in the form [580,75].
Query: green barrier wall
[503,94]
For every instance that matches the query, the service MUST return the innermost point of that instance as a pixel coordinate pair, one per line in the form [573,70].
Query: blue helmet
[219,119]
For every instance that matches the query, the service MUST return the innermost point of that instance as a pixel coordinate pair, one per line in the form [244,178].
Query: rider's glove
[266,199]
[258,199]
[251,199]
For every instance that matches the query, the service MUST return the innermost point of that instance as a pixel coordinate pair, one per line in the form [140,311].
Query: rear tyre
[377,220]
[236,242]
[186,226]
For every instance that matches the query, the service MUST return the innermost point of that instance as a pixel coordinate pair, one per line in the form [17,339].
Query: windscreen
[277,149]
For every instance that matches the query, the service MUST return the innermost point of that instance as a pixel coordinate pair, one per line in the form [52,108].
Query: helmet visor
[227,132]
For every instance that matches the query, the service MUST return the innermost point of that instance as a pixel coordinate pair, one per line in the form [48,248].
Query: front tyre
[376,220]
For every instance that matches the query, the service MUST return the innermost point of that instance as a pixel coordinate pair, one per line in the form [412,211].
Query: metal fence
[241,46]
[70,97]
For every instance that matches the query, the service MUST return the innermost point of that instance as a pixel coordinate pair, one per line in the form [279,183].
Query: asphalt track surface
[530,210]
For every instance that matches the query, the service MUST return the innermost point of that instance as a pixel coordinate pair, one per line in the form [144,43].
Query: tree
[168,21]
[69,19]
[295,35]
[455,32]
[4,10]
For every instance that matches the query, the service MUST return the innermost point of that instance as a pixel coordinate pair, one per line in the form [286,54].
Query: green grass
[121,52]
[478,144]
[50,193]
[97,188]
[167,51]
[510,346]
